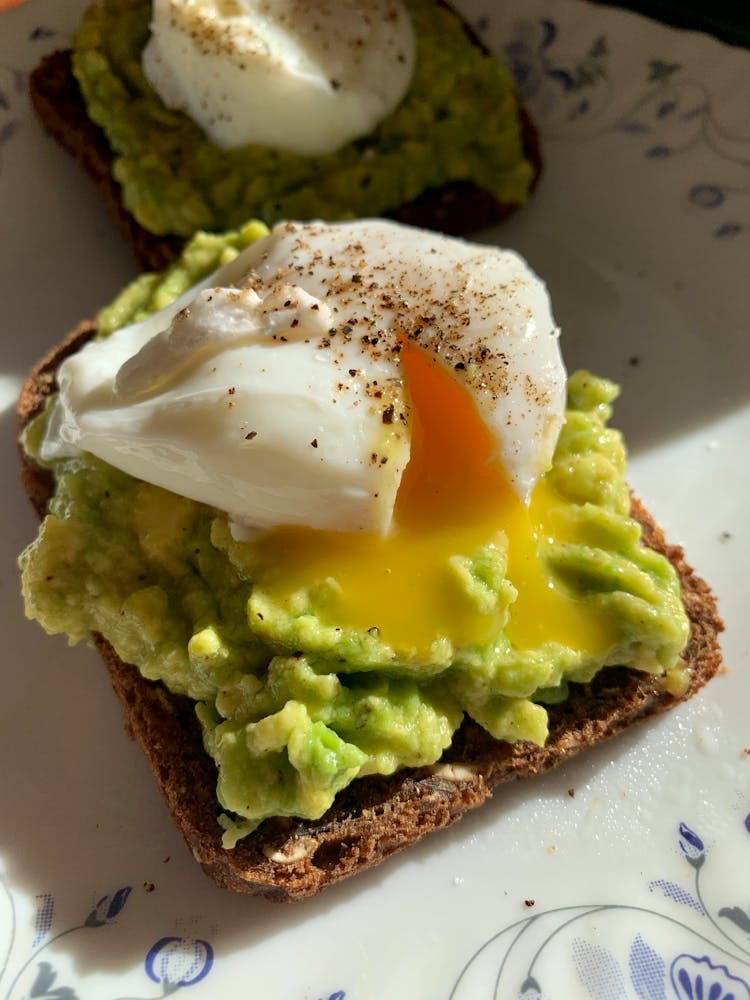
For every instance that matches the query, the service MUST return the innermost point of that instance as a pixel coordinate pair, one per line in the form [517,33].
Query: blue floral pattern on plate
[572,96]
[13,86]
[172,962]
[176,961]
[649,974]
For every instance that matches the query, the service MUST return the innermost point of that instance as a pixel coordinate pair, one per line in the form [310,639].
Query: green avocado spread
[294,708]
[459,121]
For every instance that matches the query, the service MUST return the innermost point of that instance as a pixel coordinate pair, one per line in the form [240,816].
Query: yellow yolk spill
[454,498]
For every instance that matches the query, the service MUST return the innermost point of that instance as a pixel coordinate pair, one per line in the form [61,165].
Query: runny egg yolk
[454,498]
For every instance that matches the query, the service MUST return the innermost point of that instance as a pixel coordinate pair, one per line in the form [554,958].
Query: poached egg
[365,400]
[306,76]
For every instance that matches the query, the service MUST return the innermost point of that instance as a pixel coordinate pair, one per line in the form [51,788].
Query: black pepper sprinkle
[352,372]
[529,902]
[231,390]
[388,414]
[314,442]
[357,279]
[459,366]
[251,435]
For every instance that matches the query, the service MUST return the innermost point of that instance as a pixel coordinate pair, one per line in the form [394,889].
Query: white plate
[638,885]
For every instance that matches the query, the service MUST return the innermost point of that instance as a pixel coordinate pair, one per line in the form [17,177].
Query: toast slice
[289,859]
[458,208]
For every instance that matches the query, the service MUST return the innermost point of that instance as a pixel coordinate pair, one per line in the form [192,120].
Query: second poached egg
[300,75]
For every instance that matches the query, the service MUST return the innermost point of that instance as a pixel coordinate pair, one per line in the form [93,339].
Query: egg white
[300,75]
[275,391]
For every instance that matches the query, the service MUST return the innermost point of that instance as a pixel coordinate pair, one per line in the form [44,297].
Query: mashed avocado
[458,122]
[293,707]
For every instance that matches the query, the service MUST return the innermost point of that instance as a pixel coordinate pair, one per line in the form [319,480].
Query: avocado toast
[377,815]
[459,154]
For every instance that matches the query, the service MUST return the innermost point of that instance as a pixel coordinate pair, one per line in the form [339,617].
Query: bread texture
[457,208]
[375,817]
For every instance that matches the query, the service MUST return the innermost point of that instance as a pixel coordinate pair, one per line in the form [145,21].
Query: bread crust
[290,859]
[457,208]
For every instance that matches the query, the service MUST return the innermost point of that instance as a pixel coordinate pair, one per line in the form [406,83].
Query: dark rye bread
[457,208]
[289,859]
